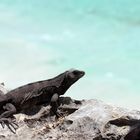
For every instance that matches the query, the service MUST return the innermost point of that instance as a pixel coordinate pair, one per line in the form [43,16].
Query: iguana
[37,93]
[134,132]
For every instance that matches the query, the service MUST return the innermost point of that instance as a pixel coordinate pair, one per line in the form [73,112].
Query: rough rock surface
[84,120]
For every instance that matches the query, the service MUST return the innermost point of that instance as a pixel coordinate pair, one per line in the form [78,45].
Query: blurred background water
[42,38]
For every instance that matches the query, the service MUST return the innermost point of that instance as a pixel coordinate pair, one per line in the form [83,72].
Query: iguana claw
[9,123]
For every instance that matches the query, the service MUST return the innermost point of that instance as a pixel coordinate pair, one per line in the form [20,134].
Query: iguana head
[65,80]
[73,75]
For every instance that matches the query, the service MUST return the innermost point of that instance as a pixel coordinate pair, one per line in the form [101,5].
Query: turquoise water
[40,39]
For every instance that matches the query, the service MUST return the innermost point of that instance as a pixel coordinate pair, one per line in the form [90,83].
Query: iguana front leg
[10,110]
[54,104]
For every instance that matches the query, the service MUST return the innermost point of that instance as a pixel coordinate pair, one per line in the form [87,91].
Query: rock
[82,120]
[90,121]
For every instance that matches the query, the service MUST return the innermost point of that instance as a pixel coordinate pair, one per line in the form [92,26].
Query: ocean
[41,39]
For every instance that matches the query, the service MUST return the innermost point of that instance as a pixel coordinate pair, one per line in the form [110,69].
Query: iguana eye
[75,72]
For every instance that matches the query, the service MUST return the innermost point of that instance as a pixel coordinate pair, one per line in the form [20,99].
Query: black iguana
[37,93]
[134,133]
